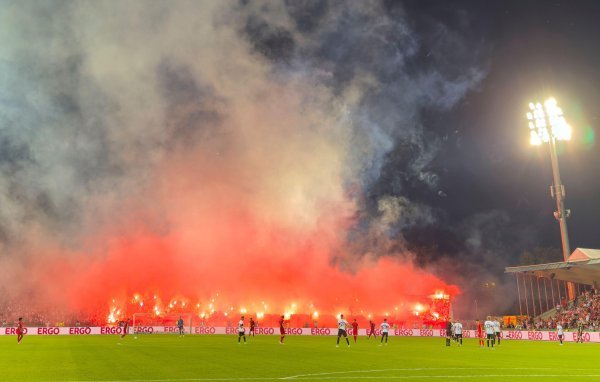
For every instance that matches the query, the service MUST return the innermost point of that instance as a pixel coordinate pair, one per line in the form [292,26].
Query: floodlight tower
[547,125]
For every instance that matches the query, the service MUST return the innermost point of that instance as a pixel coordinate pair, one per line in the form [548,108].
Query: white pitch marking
[454,376]
[186,379]
[317,376]
[300,376]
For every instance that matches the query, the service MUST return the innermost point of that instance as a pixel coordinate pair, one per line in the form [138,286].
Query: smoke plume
[255,150]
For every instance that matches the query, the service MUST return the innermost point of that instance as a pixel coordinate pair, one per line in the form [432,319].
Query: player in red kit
[355,329]
[252,326]
[281,329]
[480,333]
[20,330]
[372,331]
[125,327]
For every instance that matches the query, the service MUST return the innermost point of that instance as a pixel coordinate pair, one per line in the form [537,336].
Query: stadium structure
[541,288]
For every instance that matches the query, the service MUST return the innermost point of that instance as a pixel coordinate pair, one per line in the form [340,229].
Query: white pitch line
[337,375]
[186,379]
[453,376]
[299,376]
[316,378]
[363,371]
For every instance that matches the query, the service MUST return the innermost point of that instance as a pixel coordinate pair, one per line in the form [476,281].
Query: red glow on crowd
[152,310]
[217,252]
[142,276]
[259,274]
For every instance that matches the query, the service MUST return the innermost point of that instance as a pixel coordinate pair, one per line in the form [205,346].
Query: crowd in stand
[586,309]
[38,317]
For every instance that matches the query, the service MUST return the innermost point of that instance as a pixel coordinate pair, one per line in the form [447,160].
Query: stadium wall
[209,330]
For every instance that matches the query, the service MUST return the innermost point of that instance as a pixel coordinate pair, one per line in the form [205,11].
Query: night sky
[531,50]
[360,129]
[535,50]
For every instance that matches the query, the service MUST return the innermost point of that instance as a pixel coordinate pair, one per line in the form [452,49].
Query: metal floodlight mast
[547,125]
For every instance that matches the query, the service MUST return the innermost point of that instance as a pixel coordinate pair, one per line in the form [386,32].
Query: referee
[448,332]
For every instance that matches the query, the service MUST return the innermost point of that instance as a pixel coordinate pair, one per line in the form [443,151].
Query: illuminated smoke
[192,148]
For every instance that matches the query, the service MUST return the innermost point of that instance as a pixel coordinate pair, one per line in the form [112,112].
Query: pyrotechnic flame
[304,310]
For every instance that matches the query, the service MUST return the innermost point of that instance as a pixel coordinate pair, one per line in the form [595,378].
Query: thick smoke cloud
[260,150]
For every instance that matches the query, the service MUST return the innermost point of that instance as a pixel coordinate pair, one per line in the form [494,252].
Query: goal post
[163,324]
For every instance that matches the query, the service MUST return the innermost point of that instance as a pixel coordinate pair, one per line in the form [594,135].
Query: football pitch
[220,358]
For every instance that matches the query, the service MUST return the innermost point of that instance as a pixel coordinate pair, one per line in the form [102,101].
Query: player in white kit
[497,331]
[559,332]
[489,331]
[241,331]
[458,328]
[385,328]
[342,330]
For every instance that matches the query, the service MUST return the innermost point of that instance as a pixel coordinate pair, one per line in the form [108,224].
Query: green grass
[203,358]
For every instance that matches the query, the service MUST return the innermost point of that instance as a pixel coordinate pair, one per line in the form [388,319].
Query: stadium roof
[583,267]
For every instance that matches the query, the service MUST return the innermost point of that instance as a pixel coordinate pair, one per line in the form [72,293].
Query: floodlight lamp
[547,121]
[561,130]
[550,103]
[540,123]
